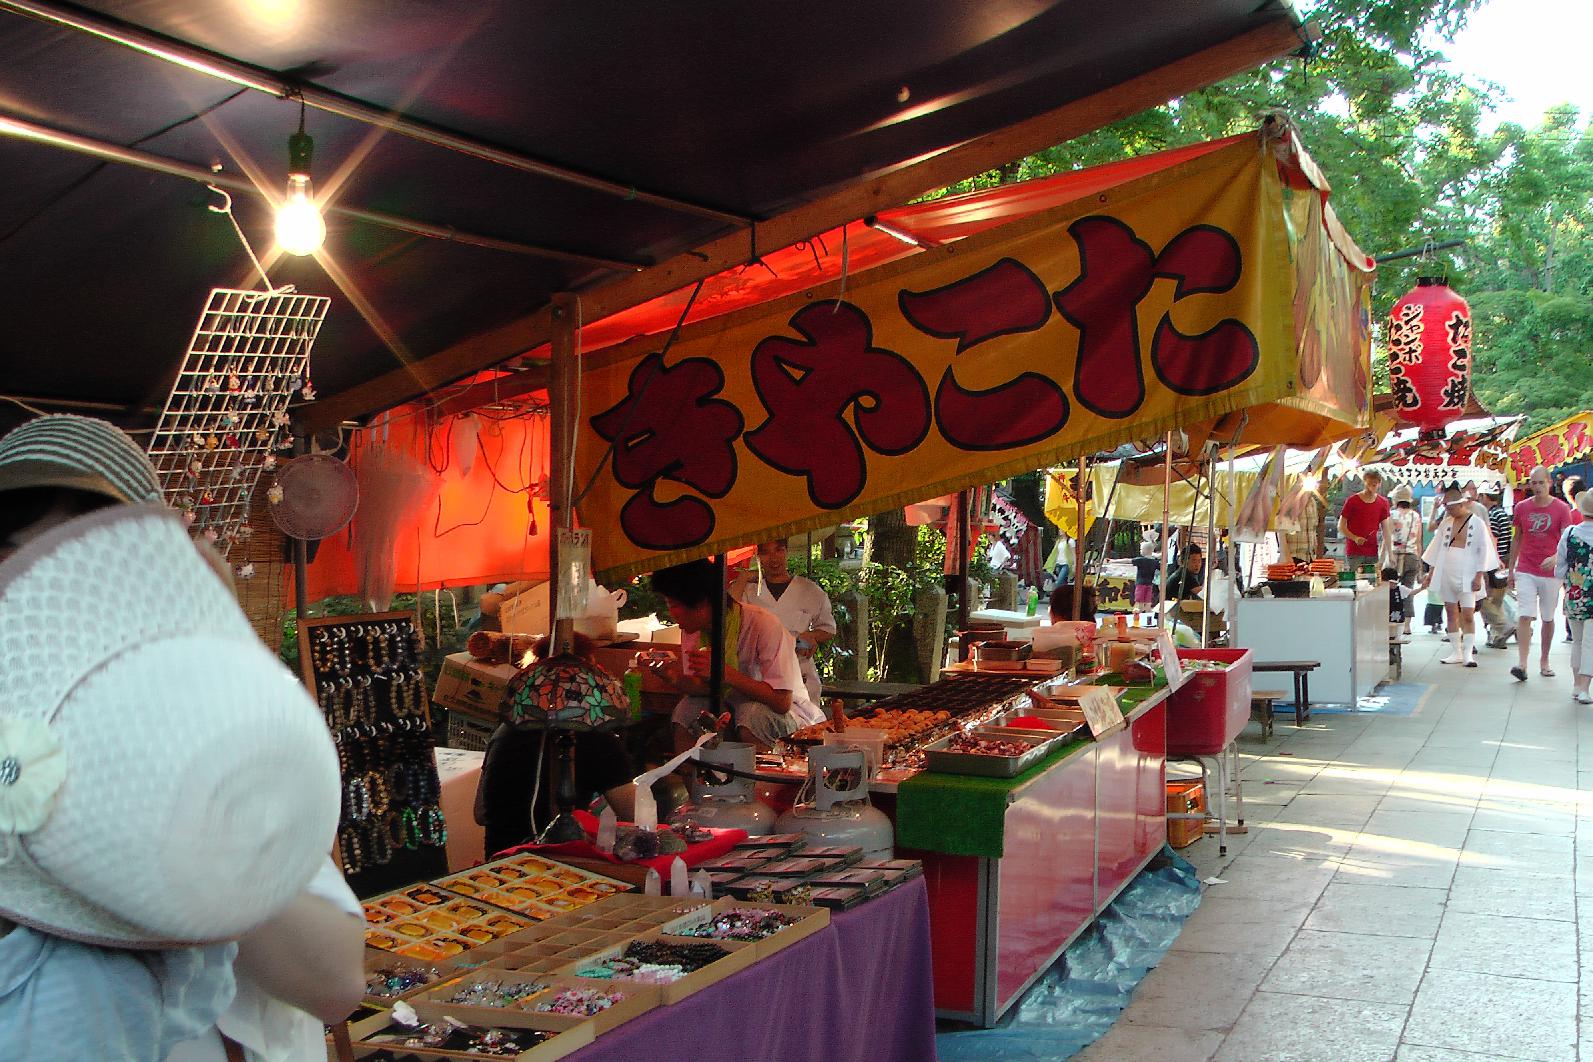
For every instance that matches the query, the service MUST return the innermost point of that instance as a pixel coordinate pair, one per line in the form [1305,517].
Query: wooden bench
[1301,670]
[1261,705]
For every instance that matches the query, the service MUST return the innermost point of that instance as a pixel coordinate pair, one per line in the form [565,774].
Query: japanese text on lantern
[1404,350]
[1458,332]
[830,396]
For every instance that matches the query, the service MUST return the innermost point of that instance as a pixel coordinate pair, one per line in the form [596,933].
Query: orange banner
[1163,302]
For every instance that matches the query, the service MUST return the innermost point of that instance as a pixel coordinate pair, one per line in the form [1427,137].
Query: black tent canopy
[607,147]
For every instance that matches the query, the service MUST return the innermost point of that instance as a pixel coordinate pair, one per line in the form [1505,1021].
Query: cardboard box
[1185,798]
[467,685]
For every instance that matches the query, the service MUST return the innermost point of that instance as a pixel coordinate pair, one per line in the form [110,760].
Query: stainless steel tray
[936,758]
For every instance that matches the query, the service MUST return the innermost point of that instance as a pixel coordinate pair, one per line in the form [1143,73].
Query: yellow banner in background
[1564,443]
[1161,302]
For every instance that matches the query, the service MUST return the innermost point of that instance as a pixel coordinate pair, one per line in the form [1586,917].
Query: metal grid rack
[227,413]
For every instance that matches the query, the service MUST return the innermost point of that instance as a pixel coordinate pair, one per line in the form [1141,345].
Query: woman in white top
[799,603]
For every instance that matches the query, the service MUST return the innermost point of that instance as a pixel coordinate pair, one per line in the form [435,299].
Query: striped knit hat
[83,453]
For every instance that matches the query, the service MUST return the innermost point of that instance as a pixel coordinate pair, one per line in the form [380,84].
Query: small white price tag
[1170,661]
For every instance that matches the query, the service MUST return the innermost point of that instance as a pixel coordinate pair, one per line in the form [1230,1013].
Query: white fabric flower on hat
[32,768]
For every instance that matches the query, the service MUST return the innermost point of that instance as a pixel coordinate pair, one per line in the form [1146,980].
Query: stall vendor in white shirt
[763,683]
[799,603]
[1461,555]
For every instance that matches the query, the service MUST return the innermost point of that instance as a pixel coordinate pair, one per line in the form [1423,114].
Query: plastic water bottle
[633,688]
[1034,600]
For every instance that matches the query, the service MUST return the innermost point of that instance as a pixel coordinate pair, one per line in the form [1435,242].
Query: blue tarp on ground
[1076,1001]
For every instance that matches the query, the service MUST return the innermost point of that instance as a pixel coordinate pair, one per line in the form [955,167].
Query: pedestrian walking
[1494,607]
[1402,534]
[1573,564]
[1460,554]
[1538,522]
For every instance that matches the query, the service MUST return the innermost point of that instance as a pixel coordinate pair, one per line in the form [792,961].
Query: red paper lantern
[1429,355]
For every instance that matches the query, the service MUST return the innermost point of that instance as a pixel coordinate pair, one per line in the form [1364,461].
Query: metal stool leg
[1222,806]
[1238,786]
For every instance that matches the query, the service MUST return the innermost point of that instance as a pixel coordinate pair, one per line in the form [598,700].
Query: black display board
[365,672]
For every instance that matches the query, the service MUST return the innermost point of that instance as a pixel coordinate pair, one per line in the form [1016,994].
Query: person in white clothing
[1460,556]
[763,684]
[297,973]
[799,603]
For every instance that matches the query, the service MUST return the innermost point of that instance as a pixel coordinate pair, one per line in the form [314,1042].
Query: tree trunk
[896,544]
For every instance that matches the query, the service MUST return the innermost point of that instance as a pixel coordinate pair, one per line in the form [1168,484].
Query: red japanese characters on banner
[1429,355]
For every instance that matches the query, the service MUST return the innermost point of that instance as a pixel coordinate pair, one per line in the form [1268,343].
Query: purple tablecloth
[857,990]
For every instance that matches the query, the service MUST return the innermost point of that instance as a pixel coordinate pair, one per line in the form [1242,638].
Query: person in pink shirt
[1361,520]
[1539,521]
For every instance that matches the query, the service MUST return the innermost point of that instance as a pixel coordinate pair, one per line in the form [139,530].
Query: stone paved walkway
[1411,888]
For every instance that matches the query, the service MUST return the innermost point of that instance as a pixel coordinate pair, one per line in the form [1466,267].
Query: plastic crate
[1185,798]
[467,732]
[1211,708]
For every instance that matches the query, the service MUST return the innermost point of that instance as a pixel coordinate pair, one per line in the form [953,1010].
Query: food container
[1289,587]
[938,759]
[1002,651]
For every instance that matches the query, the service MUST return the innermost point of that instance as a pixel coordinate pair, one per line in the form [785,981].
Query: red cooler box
[1210,709]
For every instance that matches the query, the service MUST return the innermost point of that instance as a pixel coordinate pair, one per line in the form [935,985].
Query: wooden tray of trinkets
[559,1039]
[737,957]
[439,1000]
[801,922]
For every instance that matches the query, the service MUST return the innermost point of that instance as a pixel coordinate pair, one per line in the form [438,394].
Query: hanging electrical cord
[625,424]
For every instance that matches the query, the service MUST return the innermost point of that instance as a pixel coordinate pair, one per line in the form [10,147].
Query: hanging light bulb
[300,229]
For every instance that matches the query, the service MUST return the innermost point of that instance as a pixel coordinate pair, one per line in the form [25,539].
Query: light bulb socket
[301,151]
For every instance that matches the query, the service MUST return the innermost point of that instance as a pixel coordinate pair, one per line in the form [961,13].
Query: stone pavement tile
[1482,890]
[1283,838]
[1194,990]
[1446,828]
[1506,946]
[1260,943]
[1309,809]
[1537,853]
[1266,793]
[1287,1028]
[1373,867]
[1350,966]
[1547,785]
[1413,1053]
[1522,816]
[1335,781]
[1268,876]
[1378,910]
[1485,1014]
[1127,1040]
[1398,799]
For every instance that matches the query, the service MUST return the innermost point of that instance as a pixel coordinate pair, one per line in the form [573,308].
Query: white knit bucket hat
[83,453]
[164,780]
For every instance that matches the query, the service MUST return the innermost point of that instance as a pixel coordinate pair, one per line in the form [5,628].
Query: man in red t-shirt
[1361,519]
[1538,521]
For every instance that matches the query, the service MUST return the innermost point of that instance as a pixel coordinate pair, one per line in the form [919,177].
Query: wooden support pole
[563,380]
[1167,521]
[716,645]
[1078,544]
[963,589]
